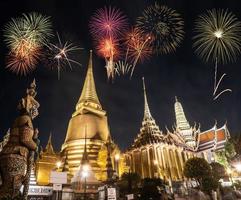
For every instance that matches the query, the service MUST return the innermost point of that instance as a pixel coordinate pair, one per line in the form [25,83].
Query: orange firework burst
[22,62]
[107,48]
[138,46]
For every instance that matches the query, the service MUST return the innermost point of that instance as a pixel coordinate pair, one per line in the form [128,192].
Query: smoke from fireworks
[25,36]
[165,25]
[218,36]
[108,22]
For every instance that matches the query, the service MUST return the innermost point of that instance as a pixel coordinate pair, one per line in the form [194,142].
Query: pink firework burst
[108,22]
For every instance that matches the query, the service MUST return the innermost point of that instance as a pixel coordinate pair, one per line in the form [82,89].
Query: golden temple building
[155,154]
[46,163]
[89,118]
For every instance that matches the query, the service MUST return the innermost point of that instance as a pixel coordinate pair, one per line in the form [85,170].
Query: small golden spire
[49,147]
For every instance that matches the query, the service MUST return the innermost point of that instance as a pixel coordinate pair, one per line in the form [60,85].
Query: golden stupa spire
[147,112]
[49,147]
[89,92]
[89,100]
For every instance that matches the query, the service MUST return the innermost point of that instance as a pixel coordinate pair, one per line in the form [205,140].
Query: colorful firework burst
[58,55]
[23,63]
[25,37]
[108,22]
[107,48]
[218,36]
[165,25]
[138,46]
[39,26]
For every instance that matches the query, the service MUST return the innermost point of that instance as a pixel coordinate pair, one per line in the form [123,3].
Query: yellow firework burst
[218,36]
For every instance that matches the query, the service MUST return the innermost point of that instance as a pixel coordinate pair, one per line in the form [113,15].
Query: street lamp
[238,166]
[58,164]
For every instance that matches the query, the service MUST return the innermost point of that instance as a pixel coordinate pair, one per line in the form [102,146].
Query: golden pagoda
[46,163]
[88,118]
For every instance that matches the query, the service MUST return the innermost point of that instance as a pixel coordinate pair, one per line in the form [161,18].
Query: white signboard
[130,196]
[57,187]
[58,177]
[35,190]
[111,193]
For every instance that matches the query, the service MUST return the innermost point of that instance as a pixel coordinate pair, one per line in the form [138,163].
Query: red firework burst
[108,22]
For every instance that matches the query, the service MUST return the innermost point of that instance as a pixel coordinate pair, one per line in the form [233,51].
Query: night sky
[181,74]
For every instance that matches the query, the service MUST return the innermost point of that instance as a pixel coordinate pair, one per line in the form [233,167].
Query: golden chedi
[46,163]
[88,119]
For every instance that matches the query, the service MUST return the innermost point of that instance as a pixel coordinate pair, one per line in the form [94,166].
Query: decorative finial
[143,82]
[176,99]
[147,113]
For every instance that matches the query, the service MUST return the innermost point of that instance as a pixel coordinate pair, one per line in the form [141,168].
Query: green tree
[197,168]
[225,156]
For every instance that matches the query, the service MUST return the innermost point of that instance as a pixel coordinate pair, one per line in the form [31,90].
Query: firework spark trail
[138,47]
[139,52]
[122,68]
[216,84]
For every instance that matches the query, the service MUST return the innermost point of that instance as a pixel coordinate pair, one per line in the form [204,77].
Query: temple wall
[158,160]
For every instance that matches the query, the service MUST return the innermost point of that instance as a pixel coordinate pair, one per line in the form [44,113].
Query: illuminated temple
[155,154]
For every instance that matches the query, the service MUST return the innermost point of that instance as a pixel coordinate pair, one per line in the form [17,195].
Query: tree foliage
[218,171]
[209,183]
[152,189]
[197,168]
[129,183]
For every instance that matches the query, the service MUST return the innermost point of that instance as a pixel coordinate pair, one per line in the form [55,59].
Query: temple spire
[49,147]
[89,92]
[181,120]
[147,113]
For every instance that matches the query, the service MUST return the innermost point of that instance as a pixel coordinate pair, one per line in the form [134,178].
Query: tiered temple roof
[149,132]
[184,135]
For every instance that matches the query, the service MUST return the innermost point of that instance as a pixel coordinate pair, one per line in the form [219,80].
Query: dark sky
[180,74]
